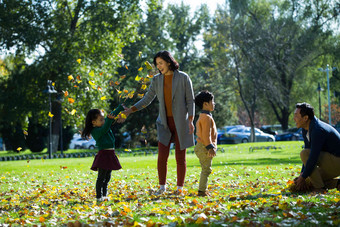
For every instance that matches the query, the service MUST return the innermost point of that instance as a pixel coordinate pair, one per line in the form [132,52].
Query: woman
[174,91]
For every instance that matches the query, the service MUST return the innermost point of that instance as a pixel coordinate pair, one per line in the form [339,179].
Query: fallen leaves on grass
[66,196]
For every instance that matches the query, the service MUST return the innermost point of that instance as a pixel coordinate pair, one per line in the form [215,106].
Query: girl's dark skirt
[106,159]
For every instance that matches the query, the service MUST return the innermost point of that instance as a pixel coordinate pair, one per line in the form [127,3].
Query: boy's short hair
[203,96]
[306,109]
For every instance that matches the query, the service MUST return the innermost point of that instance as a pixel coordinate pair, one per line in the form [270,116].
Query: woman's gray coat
[182,107]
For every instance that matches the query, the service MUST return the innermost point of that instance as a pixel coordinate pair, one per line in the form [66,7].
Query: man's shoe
[319,190]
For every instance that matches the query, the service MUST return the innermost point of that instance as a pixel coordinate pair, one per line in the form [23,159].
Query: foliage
[247,188]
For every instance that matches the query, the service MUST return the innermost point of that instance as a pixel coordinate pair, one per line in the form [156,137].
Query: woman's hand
[123,115]
[191,125]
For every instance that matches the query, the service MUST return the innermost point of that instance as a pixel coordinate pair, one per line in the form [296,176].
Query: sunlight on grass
[246,187]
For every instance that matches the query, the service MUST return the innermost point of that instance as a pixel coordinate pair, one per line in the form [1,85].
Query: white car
[77,142]
[89,144]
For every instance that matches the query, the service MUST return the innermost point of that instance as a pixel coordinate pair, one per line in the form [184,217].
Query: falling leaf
[25,132]
[73,112]
[99,88]
[143,87]
[126,67]
[148,65]
[100,74]
[66,110]
[70,100]
[78,77]
[19,148]
[139,53]
[140,69]
[140,95]
[79,60]
[65,93]
[50,114]
[75,86]
[91,73]
[53,84]
[137,78]
[117,83]
[70,77]
[91,83]
[150,76]
[126,91]
[79,81]
[122,77]
[103,98]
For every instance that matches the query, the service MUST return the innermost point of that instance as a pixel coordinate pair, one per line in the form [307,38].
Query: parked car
[225,129]
[242,135]
[89,144]
[77,142]
[271,129]
[292,134]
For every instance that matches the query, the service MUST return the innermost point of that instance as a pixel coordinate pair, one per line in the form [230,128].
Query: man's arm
[317,141]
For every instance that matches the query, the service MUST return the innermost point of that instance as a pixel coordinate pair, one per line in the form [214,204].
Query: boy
[206,132]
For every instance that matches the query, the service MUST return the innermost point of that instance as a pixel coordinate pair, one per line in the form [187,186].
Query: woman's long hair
[91,116]
[166,56]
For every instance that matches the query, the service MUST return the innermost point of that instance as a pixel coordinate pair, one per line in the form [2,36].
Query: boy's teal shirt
[103,135]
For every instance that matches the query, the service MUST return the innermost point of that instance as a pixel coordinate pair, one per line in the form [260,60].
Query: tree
[94,32]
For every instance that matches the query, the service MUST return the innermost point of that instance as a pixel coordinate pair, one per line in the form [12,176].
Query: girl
[106,160]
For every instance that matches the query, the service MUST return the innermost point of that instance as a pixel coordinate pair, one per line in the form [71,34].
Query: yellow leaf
[67,110]
[148,65]
[146,79]
[123,116]
[130,95]
[73,112]
[42,219]
[79,60]
[140,95]
[126,209]
[143,87]
[79,81]
[70,77]
[119,91]
[140,53]
[140,69]
[19,148]
[71,100]
[65,93]
[126,67]
[103,98]
[138,78]
[91,83]
[91,73]
[53,84]
[50,114]
[25,132]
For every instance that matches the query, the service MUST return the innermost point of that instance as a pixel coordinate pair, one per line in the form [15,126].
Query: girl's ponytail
[91,116]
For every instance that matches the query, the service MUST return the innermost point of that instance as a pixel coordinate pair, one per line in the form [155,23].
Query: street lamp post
[329,99]
[50,90]
[319,89]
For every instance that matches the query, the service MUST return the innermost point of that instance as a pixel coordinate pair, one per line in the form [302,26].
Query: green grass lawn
[246,187]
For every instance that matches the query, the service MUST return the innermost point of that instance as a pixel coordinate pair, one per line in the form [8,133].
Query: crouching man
[321,155]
